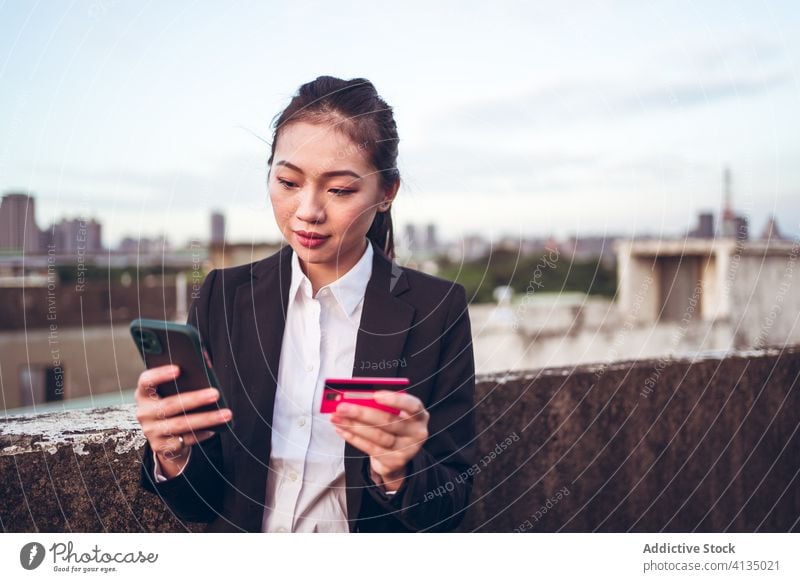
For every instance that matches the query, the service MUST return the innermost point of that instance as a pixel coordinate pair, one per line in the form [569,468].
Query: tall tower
[18,230]
[411,237]
[431,240]
[728,222]
[217,228]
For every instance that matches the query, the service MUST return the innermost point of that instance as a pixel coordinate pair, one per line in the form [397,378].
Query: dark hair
[361,114]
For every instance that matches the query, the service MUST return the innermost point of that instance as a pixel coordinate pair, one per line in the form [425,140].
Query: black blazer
[415,323]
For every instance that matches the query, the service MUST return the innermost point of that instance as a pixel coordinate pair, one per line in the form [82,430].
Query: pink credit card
[360,390]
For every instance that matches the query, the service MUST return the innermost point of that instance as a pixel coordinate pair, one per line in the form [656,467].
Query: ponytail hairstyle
[358,111]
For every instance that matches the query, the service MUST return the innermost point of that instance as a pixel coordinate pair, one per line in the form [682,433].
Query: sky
[524,119]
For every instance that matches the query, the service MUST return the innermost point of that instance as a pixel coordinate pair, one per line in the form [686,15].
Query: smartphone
[360,391]
[164,343]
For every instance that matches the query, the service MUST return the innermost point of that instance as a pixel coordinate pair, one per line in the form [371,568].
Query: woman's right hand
[163,420]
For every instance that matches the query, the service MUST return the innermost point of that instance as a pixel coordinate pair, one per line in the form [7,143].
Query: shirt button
[282,529]
[309,366]
[301,421]
[292,476]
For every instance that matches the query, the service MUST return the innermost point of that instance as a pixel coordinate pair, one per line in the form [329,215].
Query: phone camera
[149,341]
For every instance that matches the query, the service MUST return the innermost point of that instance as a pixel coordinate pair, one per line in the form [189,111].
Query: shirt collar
[348,289]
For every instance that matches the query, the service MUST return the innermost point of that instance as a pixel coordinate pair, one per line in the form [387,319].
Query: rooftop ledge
[704,443]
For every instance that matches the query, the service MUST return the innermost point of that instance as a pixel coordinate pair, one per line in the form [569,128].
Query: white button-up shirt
[306,483]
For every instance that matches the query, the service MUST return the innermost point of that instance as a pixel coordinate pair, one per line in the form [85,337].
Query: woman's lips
[311,242]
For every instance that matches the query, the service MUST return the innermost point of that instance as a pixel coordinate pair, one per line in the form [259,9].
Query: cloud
[236,180]
[673,79]
[685,94]
[446,168]
[569,102]
[734,53]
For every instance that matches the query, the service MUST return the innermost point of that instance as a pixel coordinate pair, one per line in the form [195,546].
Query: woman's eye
[336,191]
[286,183]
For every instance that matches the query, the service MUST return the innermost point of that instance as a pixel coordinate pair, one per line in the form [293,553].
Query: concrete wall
[751,286]
[64,306]
[766,300]
[637,283]
[650,445]
[95,360]
[552,333]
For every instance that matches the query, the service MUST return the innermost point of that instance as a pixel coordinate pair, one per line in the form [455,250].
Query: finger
[397,444]
[378,436]
[197,437]
[402,400]
[363,444]
[367,415]
[195,421]
[172,448]
[397,427]
[177,403]
[149,379]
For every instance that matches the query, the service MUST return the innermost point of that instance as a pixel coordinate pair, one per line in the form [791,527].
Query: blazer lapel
[260,307]
[385,321]
[257,337]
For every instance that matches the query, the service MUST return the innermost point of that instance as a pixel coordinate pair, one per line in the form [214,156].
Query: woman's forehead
[319,148]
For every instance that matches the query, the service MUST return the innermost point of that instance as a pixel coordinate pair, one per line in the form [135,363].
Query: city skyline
[19,230]
[563,120]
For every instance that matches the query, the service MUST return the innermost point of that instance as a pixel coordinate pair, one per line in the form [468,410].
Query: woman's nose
[311,207]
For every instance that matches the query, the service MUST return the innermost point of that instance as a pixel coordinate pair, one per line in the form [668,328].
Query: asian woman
[333,302]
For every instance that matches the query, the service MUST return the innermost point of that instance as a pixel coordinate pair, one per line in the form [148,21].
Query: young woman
[330,303]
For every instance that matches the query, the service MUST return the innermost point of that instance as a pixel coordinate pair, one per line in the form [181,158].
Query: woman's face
[321,182]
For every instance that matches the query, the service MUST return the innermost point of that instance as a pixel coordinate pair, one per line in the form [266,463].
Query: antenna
[727,194]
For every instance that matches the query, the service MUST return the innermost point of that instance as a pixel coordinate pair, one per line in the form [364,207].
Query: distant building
[741,283]
[235,254]
[474,247]
[530,246]
[741,228]
[128,245]
[431,240]
[419,239]
[411,241]
[705,226]
[217,228]
[771,231]
[144,246]
[77,235]
[588,247]
[18,230]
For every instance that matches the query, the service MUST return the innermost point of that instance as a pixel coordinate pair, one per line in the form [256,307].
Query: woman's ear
[389,196]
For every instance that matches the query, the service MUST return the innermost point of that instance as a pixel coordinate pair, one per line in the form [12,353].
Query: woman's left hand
[390,440]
